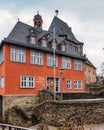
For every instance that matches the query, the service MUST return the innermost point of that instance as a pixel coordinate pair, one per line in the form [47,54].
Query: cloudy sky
[85,17]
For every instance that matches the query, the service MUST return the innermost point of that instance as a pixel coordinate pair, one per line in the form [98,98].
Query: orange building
[31,59]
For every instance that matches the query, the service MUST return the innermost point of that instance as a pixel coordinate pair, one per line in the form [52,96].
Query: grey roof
[21,31]
[37,16]
[88,62]
[61,28]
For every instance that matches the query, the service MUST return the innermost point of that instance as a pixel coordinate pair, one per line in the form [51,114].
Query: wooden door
[52,84]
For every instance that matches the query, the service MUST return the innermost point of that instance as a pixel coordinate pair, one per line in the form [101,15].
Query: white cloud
[6,23]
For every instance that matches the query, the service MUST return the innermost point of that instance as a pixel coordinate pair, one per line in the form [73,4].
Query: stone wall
[21,101]
[68,113]
[0,107]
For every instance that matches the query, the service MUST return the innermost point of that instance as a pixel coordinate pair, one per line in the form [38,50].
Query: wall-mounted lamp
[61,70]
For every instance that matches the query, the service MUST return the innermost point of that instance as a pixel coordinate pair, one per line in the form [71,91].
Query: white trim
[68,84]
[17,54]
[32,40]
[36,57]
[78,65]
[27,81]
[63,48]
[66,62]
[50,60]
[44,42]
[78,84]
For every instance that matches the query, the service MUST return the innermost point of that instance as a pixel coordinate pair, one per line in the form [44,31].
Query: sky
[85,17]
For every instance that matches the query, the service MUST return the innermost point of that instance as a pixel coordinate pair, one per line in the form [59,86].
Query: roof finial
[37,12]
[56,11]
[18,19]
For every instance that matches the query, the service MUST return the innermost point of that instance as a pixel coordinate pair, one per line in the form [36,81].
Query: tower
[38,20]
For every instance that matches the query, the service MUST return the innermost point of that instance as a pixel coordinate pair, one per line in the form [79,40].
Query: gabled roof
[61,28]
[88,62]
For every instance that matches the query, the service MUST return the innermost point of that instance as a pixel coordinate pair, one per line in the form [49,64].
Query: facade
[31,59]
[90,73]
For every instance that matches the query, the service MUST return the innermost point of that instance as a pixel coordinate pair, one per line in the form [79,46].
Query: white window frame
[78,65]
[66,63]
[77,84]
[63,47]
[68,84]
[54,45]
[32,40]
[18,54]
[44,42]
[50,60]
[27,82]
[36,57]
[2,82]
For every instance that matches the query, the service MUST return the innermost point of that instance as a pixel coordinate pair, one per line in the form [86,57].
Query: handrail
[9,127]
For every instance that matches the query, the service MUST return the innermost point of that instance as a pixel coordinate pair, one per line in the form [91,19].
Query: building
[90,73]
[31,59]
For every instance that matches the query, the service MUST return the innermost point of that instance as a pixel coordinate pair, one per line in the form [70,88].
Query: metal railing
[12,127]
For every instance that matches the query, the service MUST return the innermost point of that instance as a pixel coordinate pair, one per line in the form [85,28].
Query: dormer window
[63,47]
[54,45]
[44,42]
[32,40]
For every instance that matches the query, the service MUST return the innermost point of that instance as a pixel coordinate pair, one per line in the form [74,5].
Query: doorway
[50,84]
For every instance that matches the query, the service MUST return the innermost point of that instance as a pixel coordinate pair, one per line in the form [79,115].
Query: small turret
[38,20]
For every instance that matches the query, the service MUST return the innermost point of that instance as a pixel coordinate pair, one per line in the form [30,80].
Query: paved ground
[86,127]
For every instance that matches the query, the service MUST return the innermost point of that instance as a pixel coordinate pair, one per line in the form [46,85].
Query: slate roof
[88,62]
[62,28]
[21,31]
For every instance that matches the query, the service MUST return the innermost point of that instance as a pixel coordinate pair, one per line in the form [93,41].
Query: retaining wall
[67,113]
[0,106]
[22,101]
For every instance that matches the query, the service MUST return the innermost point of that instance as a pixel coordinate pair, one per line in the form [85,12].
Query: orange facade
[13,70]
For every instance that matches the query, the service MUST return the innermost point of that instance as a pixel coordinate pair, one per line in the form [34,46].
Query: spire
[38,20]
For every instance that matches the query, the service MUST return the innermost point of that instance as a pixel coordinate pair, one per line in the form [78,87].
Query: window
[51,61]
[44,42]
[32,40]
[2,82]
[18,54]
[1,56]
[68,84]
[36,57]
[66,63]
[62,47]
[27,82]
[53,45]
[78,65]
[78,84]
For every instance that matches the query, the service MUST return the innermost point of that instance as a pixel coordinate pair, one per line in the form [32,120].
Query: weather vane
[57,12]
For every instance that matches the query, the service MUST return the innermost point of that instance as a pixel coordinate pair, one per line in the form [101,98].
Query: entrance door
[50,84]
